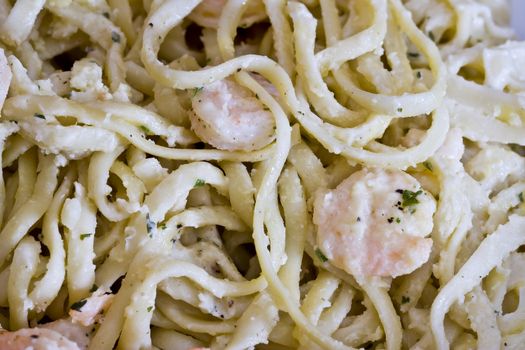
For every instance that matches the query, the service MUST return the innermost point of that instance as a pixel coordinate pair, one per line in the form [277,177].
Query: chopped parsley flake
[399,109]
[150,225]
[162,226]
[418,75]
[320,255]
[78,305]
[38,115]
[199,183]
[409,197]
[197,90]
[398,220]
[84,236]
[105,14]
[145,129]
[405,299]
[428,165]
[520,197]
[517,148]
[150,308]
[431,36]
[413,54]
[115,37]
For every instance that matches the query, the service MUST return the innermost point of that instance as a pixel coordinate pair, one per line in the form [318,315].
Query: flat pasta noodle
[261,174]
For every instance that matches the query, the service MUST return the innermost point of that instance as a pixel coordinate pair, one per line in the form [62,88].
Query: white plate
[518,17]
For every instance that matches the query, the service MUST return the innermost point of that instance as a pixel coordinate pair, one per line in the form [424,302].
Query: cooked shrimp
[208,13]
[229,117]
[91,310]
[5,77]
[374,223]
[57,335]
[72,333]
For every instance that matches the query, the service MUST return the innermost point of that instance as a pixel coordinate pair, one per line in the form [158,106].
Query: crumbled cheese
[86,78]
[504,66]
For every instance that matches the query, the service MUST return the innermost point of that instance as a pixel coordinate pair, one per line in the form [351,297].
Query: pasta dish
[261,174]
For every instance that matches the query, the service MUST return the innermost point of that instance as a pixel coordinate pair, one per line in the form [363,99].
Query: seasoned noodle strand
[261,174]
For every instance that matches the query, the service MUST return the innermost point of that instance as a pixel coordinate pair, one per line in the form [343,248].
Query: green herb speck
[84,236]
[78,305]
[145,129]
[115,37]
[409,197]
[197,90]
[150,225]
[520,197]
[150,308]
[405,299]
[38,115]
[320,255]
[199,183]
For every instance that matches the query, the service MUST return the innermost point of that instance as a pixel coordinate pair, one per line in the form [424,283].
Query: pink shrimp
[57,335]
[229,117]
[92,309]
[374,223]
[72,333]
